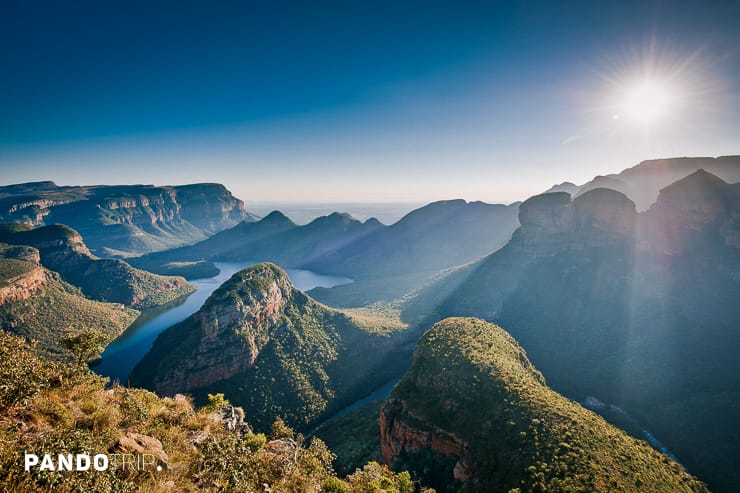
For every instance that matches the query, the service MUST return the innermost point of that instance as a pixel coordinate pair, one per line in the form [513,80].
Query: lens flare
[645,102]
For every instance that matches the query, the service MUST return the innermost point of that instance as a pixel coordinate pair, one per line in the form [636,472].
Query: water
[121,355]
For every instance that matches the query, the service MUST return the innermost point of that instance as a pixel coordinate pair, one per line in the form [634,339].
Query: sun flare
[646,102]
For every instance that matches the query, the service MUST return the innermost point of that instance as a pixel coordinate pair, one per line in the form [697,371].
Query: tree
[85,345]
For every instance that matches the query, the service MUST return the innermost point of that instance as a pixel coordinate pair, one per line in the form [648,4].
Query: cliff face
[61,249]
[235,324]
[473,414]
[693,214]
[552,222]
[23,285]
[37,304]
[609,303]
[273,350]
[126,220]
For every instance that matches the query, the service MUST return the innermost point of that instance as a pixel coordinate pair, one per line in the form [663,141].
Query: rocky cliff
[62,249]
[272,349]
[552,222]
[37,304]
[20,281]
[126,220]
[473,414]
[613,304]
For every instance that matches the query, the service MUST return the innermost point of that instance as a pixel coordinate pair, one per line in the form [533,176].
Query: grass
[59,408]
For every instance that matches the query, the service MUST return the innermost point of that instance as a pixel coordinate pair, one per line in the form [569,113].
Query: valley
[381,339]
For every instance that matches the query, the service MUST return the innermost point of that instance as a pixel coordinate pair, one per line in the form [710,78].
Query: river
[121,355]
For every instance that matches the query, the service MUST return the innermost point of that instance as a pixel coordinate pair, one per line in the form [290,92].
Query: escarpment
[62,249]
[126,220]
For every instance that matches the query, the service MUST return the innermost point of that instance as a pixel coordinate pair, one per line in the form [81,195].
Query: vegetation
[62,250]
[53,307]
[56,408]
[311,360]
[472,380]
[354,437]
[85,344]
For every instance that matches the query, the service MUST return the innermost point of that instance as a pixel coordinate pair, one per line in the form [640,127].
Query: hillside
[128,219]
[637,310]
[55,408]
[417,245]
[63,250]
[37,304]
[643,182]
[473,414]
[273,350]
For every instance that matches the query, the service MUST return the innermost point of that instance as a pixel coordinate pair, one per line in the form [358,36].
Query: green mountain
[37,304]
[62,250]
[636,310]
[126,220]
[473,414]
[412,249]
[643,182]
[275,351]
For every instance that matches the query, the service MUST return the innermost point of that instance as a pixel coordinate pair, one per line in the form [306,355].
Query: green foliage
[471,380]
[54,305]
[52,407]
[85,344]
[216,402]
[318,359]
[354,437]
[23,373]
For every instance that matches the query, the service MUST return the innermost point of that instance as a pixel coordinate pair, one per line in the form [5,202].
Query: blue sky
[359,101]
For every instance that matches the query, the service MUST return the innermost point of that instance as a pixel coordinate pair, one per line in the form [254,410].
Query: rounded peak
[602,194]
[373,221]
[251,285]
[335,218]
[275,217]
[547,199]
[483,344]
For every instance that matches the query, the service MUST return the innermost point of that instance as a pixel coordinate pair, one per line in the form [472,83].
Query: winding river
[121,355]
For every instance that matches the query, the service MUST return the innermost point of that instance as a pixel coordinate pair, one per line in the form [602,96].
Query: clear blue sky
[359,101]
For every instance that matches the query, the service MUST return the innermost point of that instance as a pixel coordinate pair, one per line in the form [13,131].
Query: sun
[645,102]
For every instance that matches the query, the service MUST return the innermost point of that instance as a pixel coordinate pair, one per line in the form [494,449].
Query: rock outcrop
[22,286]
[126,220]
[62,249]
[272,350]
[553,223]
[233,326]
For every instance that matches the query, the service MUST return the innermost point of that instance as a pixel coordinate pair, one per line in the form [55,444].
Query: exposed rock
[126,219]
[23,286]
[233,420]
[233,329]
[398,436]
[62,249]
[552,222]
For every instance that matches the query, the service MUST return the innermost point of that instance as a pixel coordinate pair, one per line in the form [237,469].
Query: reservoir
[121,355]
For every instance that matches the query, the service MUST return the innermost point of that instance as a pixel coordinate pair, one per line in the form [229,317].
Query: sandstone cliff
[126,220]
[62,249]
